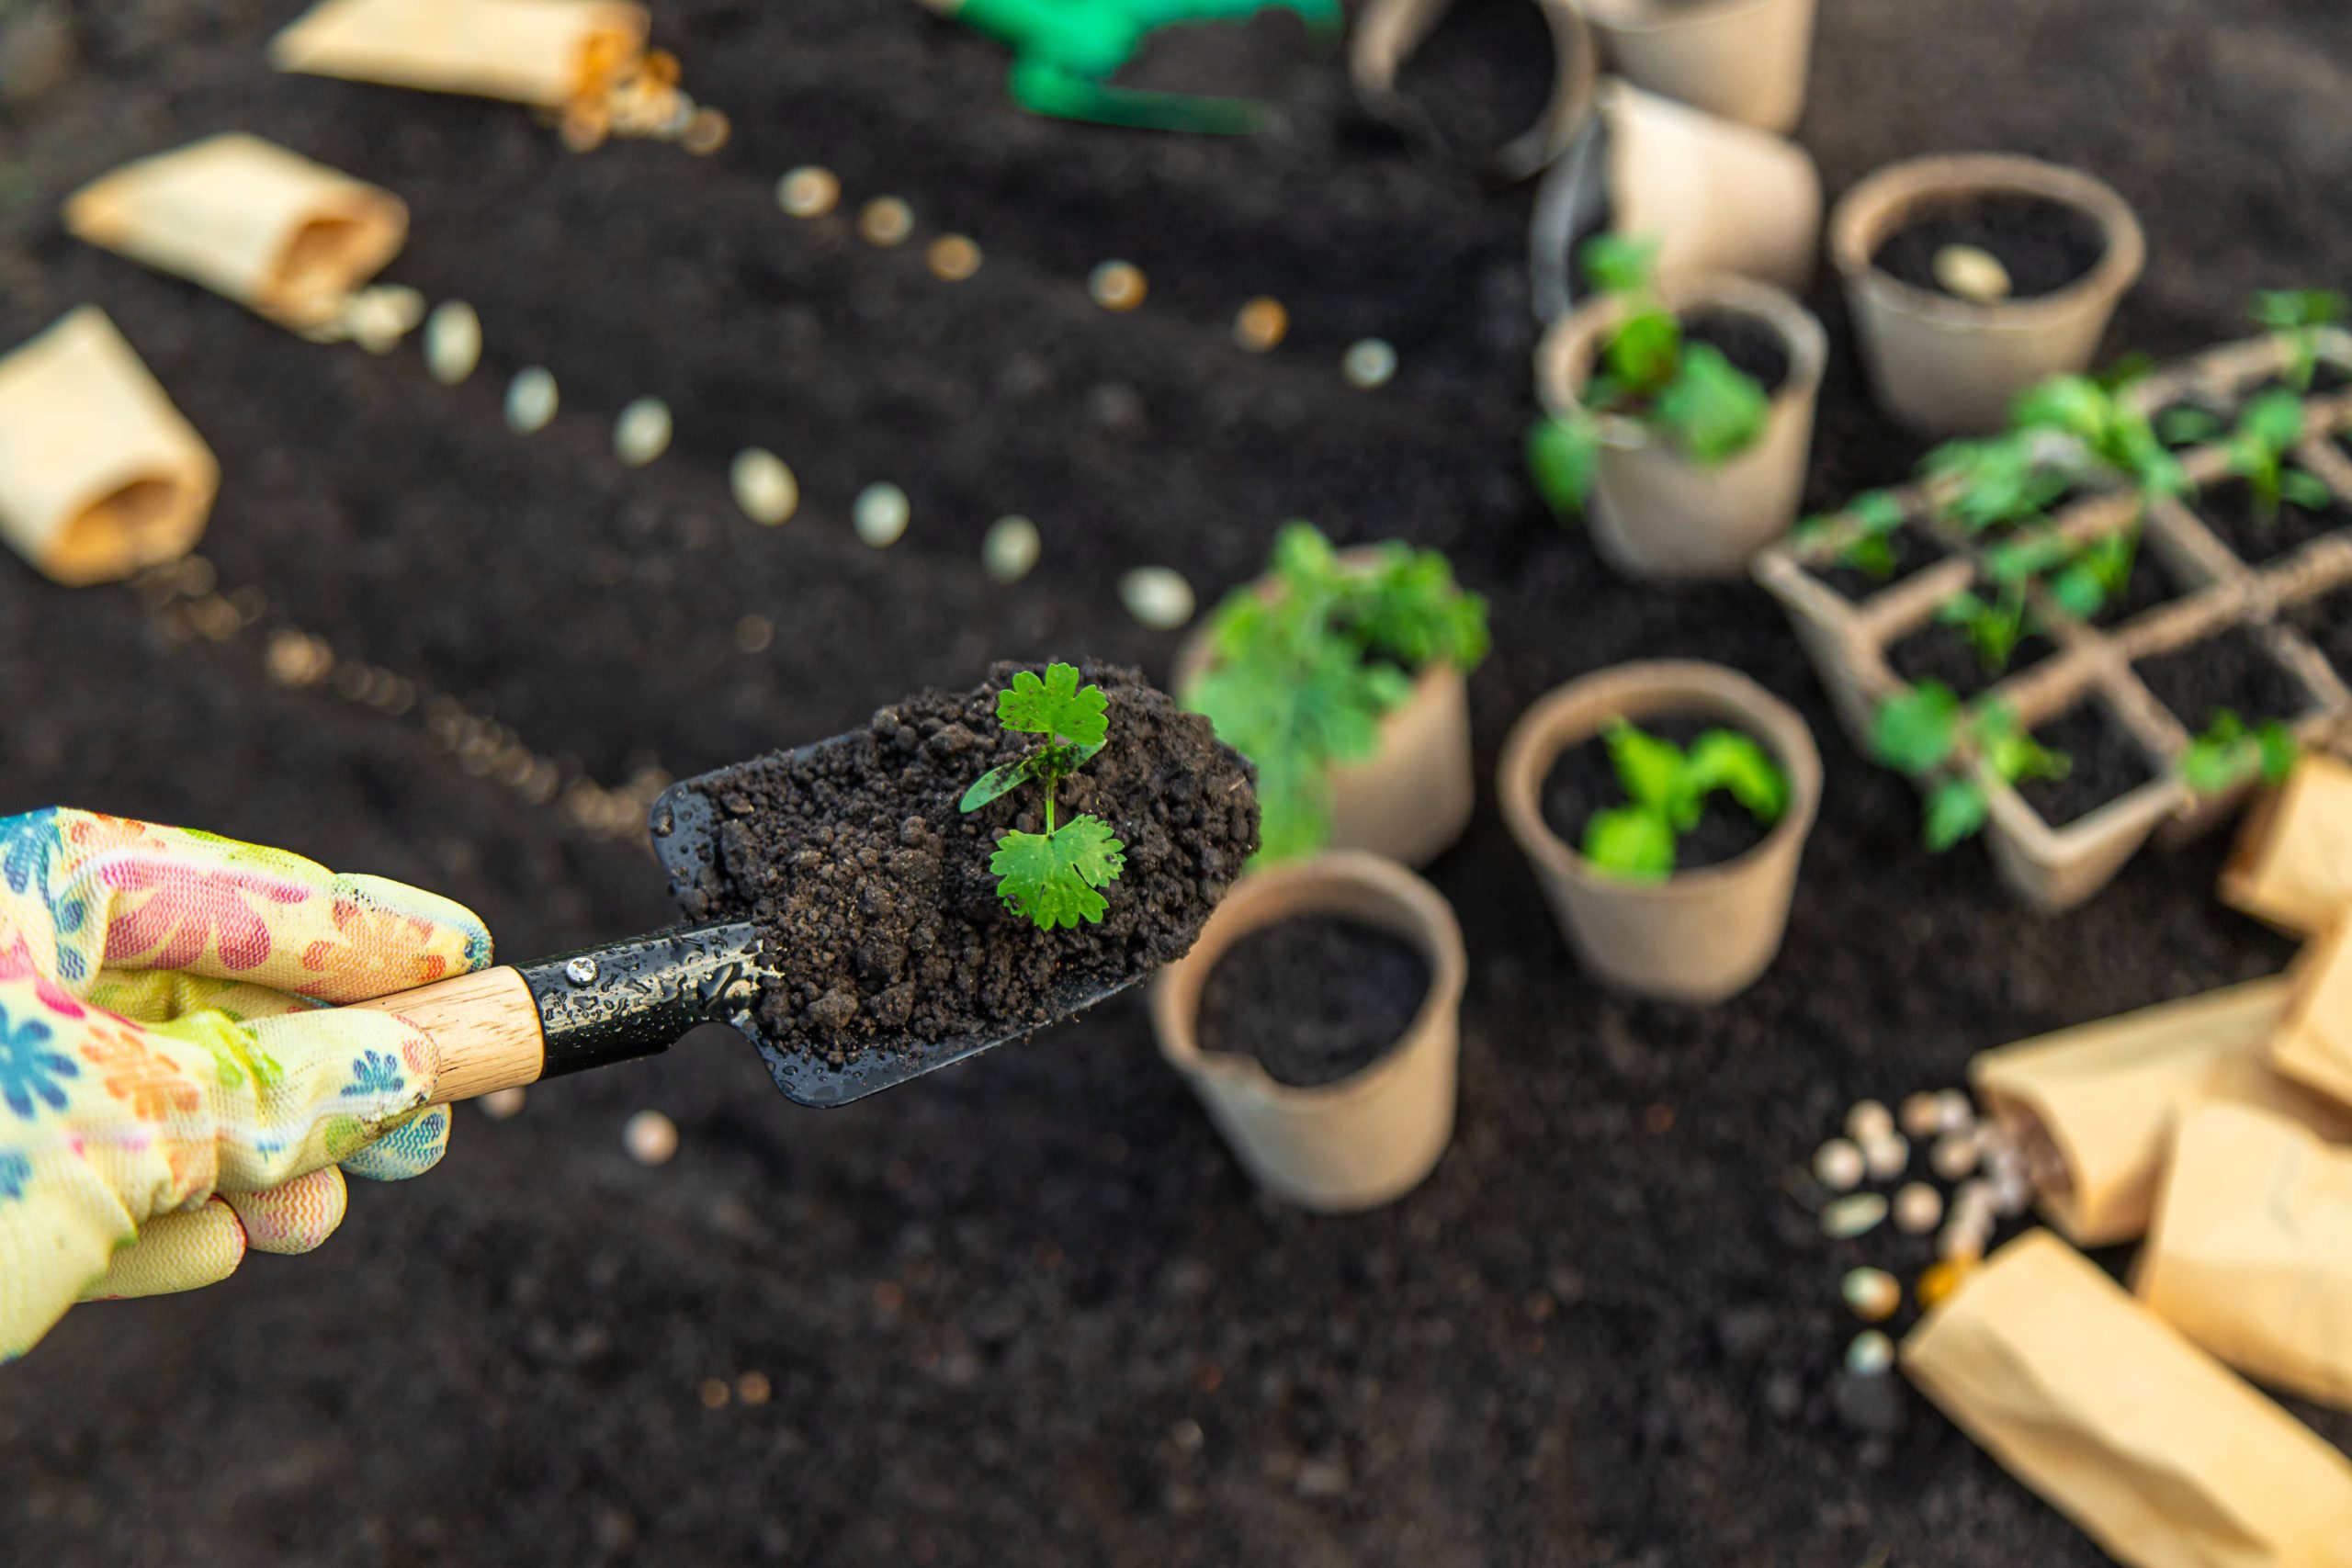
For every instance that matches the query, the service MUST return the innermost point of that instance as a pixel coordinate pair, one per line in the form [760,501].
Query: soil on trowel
[2044,245]
[1314,999]
[1583,781]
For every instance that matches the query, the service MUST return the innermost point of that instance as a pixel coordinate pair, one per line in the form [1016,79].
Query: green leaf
[1642,353]
[1650,769]
[1631,843]
[2306,490]
[1916,731]
[1955,809]
[2281,751]
[1051,879]
[2187,425]
[1877,511]
[998,782]
[1561,457]
[1711,409]
[2284,309]
[1619,263]
[1055,706]
[2075,404]
[2274,420]
[1739,764]
[1873,555]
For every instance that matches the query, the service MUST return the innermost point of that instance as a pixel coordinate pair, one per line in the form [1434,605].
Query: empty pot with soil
[1745,60]
[1707,919]
[1663,507]
[1971,277]
[1318,1019]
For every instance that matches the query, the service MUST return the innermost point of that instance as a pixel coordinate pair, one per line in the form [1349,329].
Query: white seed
[881,514]
[1886,1156]
[764,487]
[379,318]
[1838,1165]
[1953,1155]
[1368,364]
[642,432]
[1158,596]
[1867,1120]
[452,342]
[1871,1354]
[1010,548]
[1871,1293]
[1955,1113]
[501,1103]
[1974,1202]
[1971,273]
[1849,1217]
[886,221]
[1117,285]
[531,400]
[808,192]
[651,1139]
[1964,1239]
[1918,1208]
[1919,1115]
[2011,1193]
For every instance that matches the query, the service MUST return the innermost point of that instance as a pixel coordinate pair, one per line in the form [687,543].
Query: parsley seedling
[1927,733]
[1669,788]
[1051,878]
[2229,754]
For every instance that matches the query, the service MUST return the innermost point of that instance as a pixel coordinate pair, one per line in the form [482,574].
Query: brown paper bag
[2315,1048]
[2095,1107]
[2250,1254]
[273,232]
[547,52]
[2292,863]
[2166,1457]
[101,478]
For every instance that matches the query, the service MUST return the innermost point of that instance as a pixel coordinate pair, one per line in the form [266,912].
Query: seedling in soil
[2258,448]
[1669,788]
[2082,580]
[1301,676]
[1927,732]
[2229,754]
[1051,878]
[1993,626]
[2297,317]
[1869,549]
[1690,393]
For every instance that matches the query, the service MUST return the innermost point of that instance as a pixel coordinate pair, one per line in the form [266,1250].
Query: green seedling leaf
[1642,353]
[1955,809]
[1916,731]
[2295,315]
[998,783]
[1630,843]
[1619,263]
[2306,490]
[1561,457]
[1051,879]
[1711,409]
[1055,706]
[2280,752]
[2275,418]
[1739,765]
[2187,425]
[1650,769]
[2229,754]
[1669,788]
[1877,512]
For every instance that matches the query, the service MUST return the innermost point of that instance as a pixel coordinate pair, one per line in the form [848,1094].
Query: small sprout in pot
[1052,878]
[2229,754]
[2297,317]
[1669,788]
[2258,450]
[1869,547]
[1926,734]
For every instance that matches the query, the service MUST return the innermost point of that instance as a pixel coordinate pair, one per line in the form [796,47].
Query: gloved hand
[176,1085]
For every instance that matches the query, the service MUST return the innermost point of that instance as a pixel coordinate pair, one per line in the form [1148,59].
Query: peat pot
[1655,514]
[1745,60]
[1703,934]
[1387,32]
[1366,1139]
[1949,366]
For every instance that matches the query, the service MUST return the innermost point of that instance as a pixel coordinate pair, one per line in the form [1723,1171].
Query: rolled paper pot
[2251,1252]
[547,52]
[2164,1456]
[2095,1107]
[2292,863]
[100,477]
[286,237]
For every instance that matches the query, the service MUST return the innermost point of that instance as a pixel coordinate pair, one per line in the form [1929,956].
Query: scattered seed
[1872,1293]
[500,1104]
[1918,1209]
[1368,364]
[1010,548]
[1918,1116]
[1262,325]
[1117,285]
[651,1139]
[1953,1155]
[952,258]
[707,131]
[715,1394]
[641,434]
[1886,1156]
[1187,1436]
[881,514]
[452,342]
[754,1388]
[2011,1193]
[754,634]
[808,192]
[1867,1121]
[1974,1199]
[1940,1279]
[1838,1165]
[1871,1354]
[764,487]
[531,400]
[376,319]
[1972,273]
[1962,1243]
[1158,596]
[886,221]
[1849,1217]
[1955,1113]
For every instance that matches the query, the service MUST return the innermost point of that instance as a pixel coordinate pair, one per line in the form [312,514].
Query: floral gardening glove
[175,1084]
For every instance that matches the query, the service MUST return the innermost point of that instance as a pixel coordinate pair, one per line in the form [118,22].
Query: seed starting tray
[2211,592]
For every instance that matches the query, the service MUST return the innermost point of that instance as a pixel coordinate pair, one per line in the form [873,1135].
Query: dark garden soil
[1752,344]
[2103,762]
[1940,653]
[1028,1311]
[2044,246]
[1315,1001]
[873,891]
[2328,624]
[2230,510]
[1583,779]
[2233,670]
[1482,76]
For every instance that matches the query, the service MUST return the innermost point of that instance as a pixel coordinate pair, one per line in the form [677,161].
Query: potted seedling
[1959,753]
[2299,319]
[1972,277]
[1743,59]
[1341,674]
[1664,807]
[2275,505]
[1318,1019]
[2229,755]
[1678,419]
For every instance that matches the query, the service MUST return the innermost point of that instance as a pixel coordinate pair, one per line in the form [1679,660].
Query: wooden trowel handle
[505,1028]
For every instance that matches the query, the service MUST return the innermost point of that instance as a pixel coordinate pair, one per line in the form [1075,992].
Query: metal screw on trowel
[580,971]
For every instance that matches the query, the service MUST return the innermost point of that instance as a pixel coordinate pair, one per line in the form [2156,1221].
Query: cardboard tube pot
[287,238]
[547,52]
[2164,1455]
[1700,935]
[100,477]
[1947,366]
[1656,514]
[1410,800]
[1387,32]
[1745,60]
[1367,1139]
[2095,1108]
